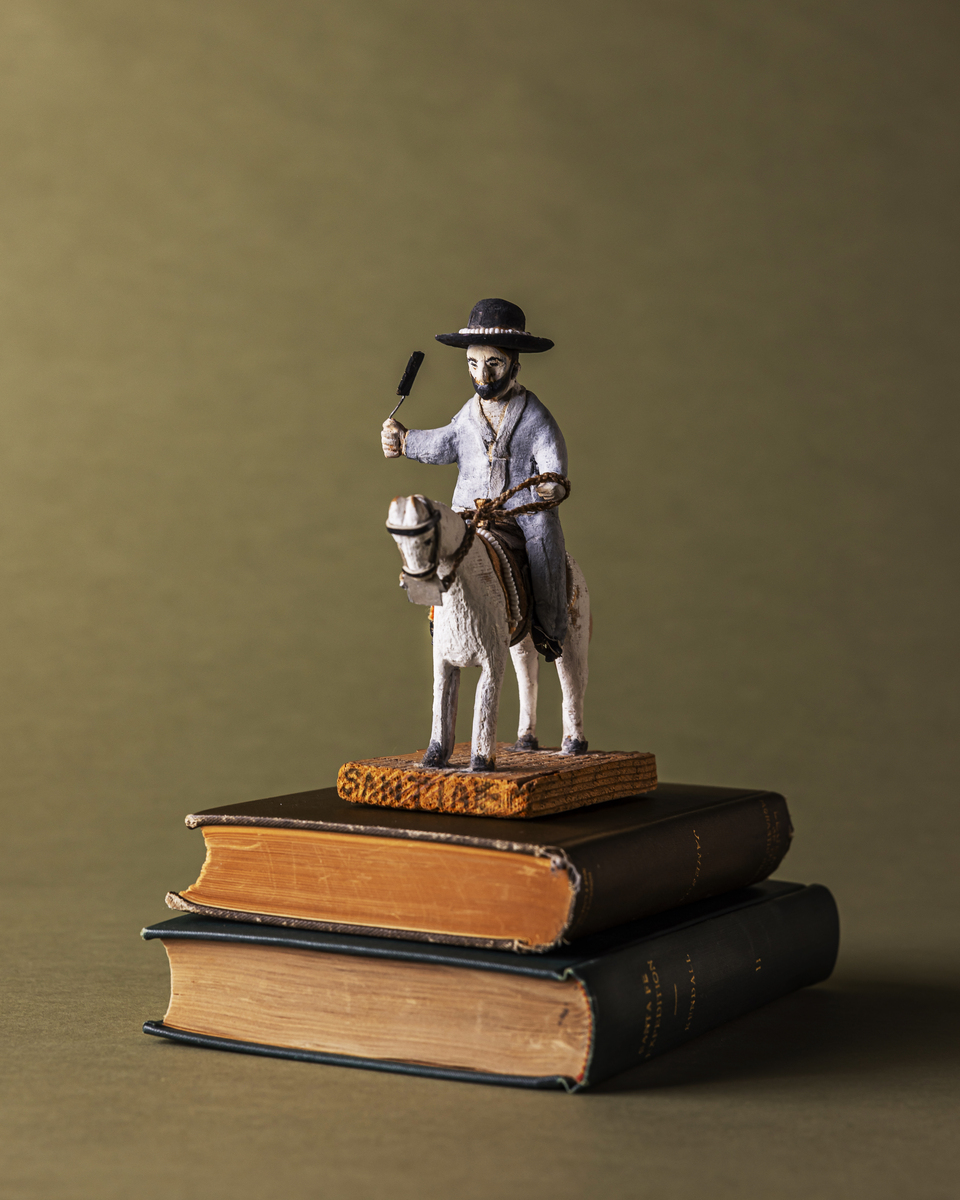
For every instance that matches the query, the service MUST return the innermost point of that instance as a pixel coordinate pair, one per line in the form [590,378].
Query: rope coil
[486,512]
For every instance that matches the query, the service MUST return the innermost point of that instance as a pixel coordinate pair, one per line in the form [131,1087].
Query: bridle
[429,525]
[485,513]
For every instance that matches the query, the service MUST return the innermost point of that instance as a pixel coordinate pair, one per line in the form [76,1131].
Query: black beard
[493,391]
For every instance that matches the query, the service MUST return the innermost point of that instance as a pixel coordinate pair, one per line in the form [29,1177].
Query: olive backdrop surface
[223,228]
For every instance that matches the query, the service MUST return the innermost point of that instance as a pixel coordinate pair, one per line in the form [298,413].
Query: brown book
[315,861]
[568,1018]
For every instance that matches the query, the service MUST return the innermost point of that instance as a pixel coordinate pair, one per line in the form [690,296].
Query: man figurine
[500,437]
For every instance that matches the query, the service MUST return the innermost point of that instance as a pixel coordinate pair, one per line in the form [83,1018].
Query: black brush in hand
[406,383]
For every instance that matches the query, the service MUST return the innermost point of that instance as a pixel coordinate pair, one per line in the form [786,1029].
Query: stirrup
[549,647]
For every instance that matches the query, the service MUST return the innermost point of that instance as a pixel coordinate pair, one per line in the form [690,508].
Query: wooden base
[526,783]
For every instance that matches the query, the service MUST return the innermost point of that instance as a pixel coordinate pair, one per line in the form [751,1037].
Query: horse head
[426,532]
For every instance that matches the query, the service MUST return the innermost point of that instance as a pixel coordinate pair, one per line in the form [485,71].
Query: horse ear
[408,510]
[396,510]
[421,506]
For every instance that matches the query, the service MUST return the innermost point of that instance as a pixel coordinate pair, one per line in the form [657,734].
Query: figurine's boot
[547,556]
[549,647]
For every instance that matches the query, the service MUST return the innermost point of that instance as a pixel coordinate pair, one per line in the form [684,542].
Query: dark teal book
[569,1018]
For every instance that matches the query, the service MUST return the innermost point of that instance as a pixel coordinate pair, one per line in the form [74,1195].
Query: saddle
[506,546]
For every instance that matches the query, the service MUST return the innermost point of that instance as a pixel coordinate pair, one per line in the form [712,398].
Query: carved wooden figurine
[515,585]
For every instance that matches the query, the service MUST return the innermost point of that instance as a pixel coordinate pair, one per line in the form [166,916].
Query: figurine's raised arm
[437,446]
[393,434]
[392,437]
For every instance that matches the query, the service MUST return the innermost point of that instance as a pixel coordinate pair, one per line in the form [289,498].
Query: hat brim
[509,341]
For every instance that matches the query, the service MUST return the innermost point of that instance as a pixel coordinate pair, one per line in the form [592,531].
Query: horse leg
[483,752]
[526,663]
[572,669]
[446,692]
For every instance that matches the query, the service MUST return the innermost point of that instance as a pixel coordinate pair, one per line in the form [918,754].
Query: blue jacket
[528,443]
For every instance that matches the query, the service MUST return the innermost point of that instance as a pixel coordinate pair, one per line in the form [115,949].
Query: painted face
[491,370]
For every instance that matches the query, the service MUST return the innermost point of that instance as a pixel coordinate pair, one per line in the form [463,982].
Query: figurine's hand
[551,491]
[391,438]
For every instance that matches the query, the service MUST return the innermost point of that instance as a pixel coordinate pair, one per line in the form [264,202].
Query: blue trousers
[548,570]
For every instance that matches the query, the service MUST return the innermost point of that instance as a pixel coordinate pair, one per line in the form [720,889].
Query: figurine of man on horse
[502,436]
[480,560]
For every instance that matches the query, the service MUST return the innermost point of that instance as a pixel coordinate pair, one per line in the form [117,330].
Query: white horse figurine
[472,628]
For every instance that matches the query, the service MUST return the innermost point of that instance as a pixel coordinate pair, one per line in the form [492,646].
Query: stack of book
[550,952]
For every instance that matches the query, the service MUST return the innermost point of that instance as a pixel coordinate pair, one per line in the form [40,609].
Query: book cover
[315,861]
[568,1018]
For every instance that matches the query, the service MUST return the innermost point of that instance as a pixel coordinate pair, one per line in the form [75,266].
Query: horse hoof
[434,756]
[478,763]
[526,744]
[574,746]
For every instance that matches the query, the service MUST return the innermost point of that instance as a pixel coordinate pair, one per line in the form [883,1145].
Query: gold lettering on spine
[653,1009]
[697,868]
[693,994]
[771,831]
[647,1012]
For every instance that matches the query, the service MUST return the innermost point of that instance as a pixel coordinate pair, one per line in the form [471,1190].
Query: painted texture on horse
[472,628]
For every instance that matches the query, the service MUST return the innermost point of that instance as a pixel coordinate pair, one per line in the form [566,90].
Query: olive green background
[224,227]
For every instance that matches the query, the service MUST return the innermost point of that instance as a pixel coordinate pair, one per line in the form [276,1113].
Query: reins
[486,513]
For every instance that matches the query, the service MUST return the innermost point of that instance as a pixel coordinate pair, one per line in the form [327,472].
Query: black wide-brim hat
[496,323]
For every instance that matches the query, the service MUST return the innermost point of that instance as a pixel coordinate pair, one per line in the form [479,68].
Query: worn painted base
[523,783]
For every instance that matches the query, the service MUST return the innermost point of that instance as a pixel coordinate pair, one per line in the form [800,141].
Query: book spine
[676,861]
[654,996]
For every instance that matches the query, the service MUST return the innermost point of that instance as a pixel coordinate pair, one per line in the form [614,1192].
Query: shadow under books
[858,1024]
